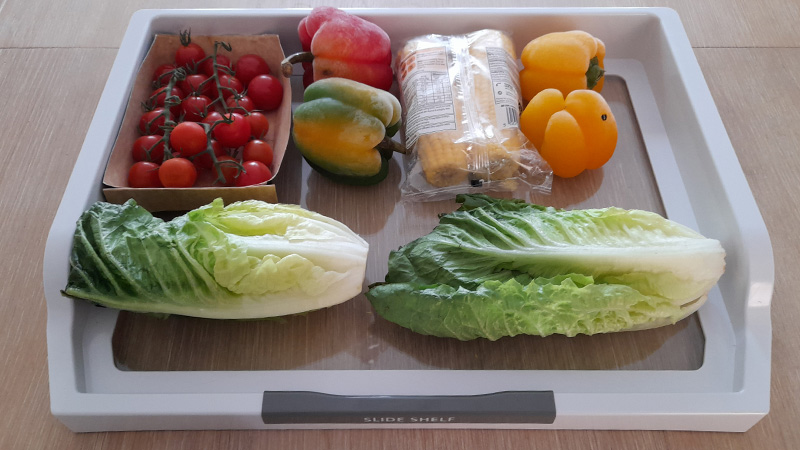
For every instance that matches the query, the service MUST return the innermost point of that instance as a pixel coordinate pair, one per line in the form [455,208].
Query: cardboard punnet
[162,51]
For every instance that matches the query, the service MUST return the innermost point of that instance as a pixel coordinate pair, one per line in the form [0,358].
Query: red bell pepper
[338,44]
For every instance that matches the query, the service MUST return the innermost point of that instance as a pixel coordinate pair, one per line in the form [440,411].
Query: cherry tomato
[194,107]
[229,85]
[259,125]
[212,117]
[207,66]
[152,121]
[258,150]
[250,66]
[188,138]
[266,92]
[255,172]
[240,104]
[163,73]
[151,143]
[204,160]
[177,173]
[189,55]
[144,174]
[159,96]
[193,85]
[229,167]
[234,134]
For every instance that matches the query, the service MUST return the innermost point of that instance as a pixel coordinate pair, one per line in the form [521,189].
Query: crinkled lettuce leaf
[249,259]
[499,267]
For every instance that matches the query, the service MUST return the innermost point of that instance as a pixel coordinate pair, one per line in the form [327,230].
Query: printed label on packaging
[506,94]
[428,93]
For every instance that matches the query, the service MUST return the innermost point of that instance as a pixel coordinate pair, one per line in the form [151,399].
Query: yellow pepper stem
[594,73]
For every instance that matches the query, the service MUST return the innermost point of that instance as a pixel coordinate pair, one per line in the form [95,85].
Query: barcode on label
[512,116]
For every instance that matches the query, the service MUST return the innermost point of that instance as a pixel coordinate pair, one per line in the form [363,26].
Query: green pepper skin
[351,179]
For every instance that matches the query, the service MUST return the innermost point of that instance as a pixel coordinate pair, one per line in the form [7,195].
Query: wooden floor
[54,61]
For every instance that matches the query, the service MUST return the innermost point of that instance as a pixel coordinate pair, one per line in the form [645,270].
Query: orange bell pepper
[566,61]
[572,134]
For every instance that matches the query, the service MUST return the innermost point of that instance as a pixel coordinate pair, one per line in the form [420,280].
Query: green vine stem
[217,164]
[169,102]
[214,75]
[186,37]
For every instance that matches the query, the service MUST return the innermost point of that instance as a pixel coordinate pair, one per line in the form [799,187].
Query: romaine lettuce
[249,259]
[498,267]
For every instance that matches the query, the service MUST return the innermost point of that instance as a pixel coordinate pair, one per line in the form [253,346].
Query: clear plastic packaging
[461,105]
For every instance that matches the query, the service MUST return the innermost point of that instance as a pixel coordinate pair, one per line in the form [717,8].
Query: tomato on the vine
[259,124]
[144,174]
[204,161]
[233,134]
[152,121]
[188,138]
[163,73]
[233,104]
[207,66]
[159,97]
[151,143]
[254,172]
[211,117]
[195,107]
[229,85]
[250,66]
[193,85]
[188,54]
[258,150]
[177,173]
[240,103]
[266,92]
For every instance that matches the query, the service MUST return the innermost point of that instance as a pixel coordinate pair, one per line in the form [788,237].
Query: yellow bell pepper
[566,61]
[572,134]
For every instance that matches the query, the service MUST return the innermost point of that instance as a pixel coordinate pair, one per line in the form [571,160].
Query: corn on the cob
[479,149]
